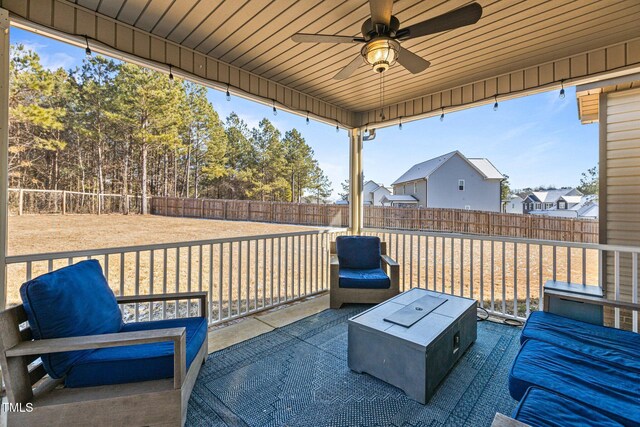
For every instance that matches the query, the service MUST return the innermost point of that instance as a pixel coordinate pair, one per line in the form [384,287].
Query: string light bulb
[442,115]
[495,105]
[400,124]
[170,72]
[337,128]
[88,49]
[307,119]
[561,89]
[275,111]
[228,94]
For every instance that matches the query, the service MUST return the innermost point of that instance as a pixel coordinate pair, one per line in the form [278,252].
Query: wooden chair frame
[149,403]
[339,296]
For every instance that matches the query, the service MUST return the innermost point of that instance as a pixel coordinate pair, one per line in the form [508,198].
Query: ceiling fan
[381,35]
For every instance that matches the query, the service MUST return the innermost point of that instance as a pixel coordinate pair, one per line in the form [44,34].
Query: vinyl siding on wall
[620,180]
[479,193]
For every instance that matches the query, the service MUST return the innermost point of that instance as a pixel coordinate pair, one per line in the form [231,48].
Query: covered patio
[267,294]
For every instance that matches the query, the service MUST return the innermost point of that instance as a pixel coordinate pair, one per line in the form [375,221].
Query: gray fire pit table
[412,340]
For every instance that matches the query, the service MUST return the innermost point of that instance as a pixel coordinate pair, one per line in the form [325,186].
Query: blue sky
[536,140]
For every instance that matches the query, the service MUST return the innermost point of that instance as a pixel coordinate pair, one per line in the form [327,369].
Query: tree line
[111,127]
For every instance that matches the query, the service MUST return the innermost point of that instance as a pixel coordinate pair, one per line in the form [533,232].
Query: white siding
[514,205]
[620,180]
[478,194]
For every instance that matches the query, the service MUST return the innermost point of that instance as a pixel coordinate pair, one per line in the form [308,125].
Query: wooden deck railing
[242,275]
[245,275]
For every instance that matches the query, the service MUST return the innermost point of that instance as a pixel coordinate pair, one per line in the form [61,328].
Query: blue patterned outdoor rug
[298,376]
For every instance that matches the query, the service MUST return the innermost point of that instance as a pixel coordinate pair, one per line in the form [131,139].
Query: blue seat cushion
[358,252]
[134,363]
[543,408]
[610,344]
[69,302]
[610,389]
[374,278]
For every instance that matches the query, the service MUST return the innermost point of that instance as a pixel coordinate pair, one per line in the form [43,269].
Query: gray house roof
[487,168]
[424,169]
[552,196]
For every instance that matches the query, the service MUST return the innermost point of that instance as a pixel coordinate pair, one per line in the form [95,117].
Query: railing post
[4,151]
[20,201]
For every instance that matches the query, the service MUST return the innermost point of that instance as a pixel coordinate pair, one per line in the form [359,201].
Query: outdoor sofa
[95,369]
[569,372]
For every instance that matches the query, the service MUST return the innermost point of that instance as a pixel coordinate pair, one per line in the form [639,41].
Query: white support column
[4,152]
[355,181]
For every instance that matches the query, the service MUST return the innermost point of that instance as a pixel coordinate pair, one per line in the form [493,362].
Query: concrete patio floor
[230,333]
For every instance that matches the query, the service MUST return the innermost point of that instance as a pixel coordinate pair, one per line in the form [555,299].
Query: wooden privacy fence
[422,219]
[24,201]
[249,210]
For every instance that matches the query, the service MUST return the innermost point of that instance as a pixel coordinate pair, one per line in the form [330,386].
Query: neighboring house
[451,181]
[373,193]
[545,200]
[585,207]
[513,204]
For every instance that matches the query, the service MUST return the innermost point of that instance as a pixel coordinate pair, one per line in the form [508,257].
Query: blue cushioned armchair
[67,353]
[361,271]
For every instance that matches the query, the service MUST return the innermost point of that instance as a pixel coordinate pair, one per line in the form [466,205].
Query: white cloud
[57,60]
[50,60]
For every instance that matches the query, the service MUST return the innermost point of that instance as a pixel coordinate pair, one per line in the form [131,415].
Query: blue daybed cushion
[610,344]
[358,252]
[143,362]
[611,389]
[69,302]
[374,278]
[543,408]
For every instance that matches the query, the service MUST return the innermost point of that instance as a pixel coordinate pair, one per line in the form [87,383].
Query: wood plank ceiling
[254,35]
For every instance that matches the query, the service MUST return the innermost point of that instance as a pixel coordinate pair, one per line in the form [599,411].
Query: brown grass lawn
[36,234]
[238,284]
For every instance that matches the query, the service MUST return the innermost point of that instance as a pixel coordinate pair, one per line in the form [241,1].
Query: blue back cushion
[69,302]
[358,252]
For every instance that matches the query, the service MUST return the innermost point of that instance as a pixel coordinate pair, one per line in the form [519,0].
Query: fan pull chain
[382,118]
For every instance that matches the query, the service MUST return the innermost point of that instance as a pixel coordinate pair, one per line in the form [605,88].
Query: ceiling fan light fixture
[381,53]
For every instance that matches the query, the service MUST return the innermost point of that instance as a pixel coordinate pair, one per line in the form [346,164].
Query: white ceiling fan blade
[322,38]
[411,61]
[351,67]
[381,12]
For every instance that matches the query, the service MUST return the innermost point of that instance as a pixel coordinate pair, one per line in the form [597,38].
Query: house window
[461,184]
[562,205]
[538,205]
[467,207]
